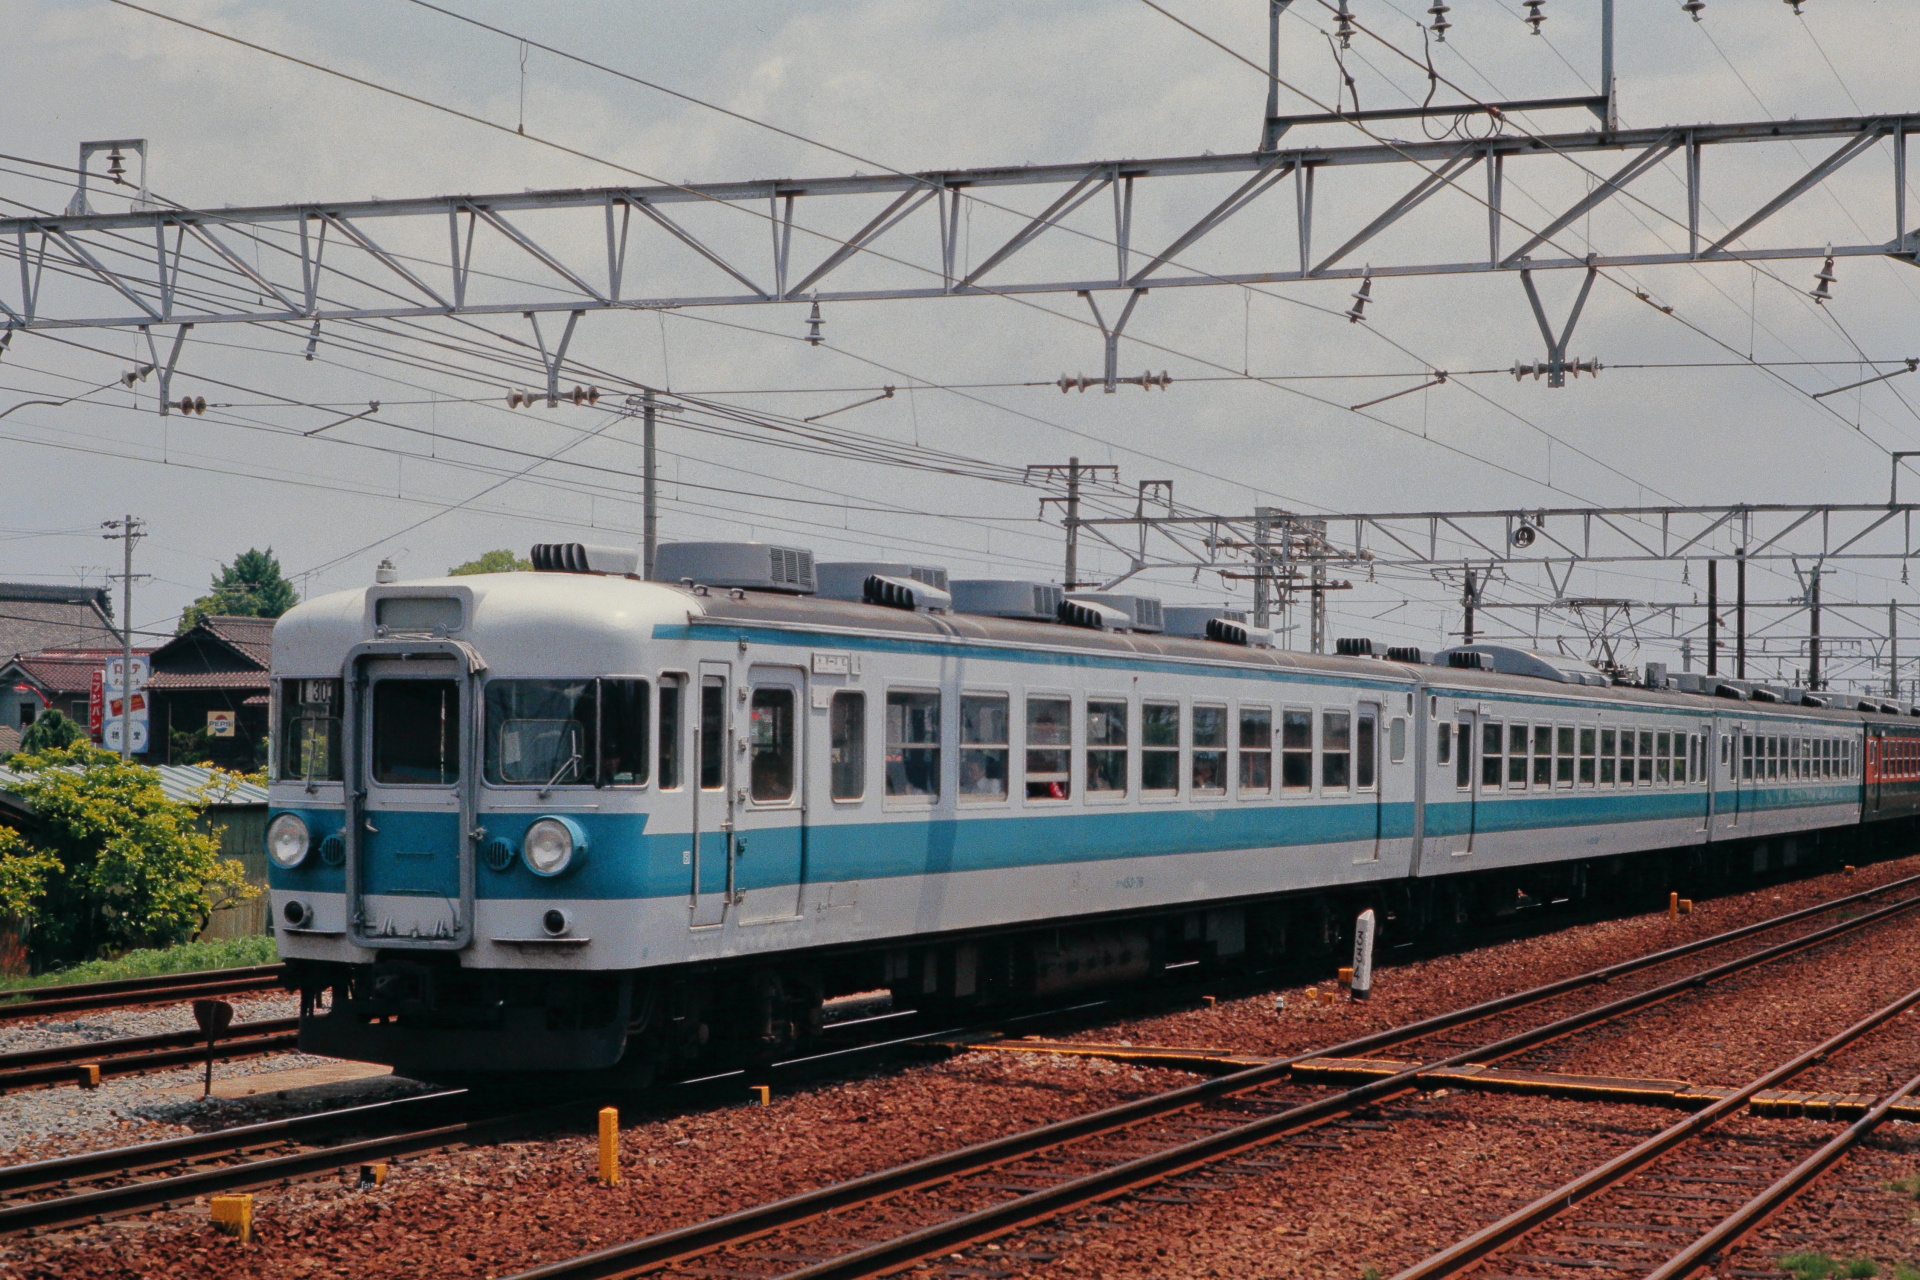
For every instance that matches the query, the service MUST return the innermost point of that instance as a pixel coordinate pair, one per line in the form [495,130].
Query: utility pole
[1074,474]
[650,491]
[1740,614]
[1262,599]
[127,530]
[1713,617]
[1466,596]
[1813,634]
[1893,650]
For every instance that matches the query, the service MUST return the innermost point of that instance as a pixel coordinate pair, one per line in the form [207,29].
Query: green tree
[112,863]
[251,587]
[501,561]
[50,730]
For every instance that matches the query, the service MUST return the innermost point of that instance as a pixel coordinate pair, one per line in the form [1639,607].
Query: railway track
[166,988]
[1646,1204]
[31,1068]
[1161,1148]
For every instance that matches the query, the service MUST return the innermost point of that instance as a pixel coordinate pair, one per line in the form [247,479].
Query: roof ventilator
[1469,661]
[1354,647]
[906,593]
[578,557]
[1143,612]
[1093,616]
[847,579]
[1409,653]
[1227,631]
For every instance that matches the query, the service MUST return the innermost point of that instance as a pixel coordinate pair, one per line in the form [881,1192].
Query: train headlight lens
[550,845]
[287,840]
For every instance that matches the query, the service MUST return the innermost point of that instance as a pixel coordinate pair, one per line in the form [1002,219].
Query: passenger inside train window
[1336,750]
[913,744]
[1256,750]
[1049,738]
[1160,748]
[1209,751]
[1607,747]
[847,744]
[770,738]
[983,746]
[1106,747]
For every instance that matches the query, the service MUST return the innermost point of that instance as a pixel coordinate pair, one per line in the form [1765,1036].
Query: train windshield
[540,731]
[416,732]
[310,730]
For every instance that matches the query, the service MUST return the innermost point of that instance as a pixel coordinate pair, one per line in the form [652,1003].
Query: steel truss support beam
[86,271]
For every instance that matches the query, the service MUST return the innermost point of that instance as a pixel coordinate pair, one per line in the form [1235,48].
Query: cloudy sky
[1707,403]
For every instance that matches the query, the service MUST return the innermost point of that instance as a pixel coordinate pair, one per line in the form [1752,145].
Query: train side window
[1586,756]
[1296,748]
[713,745]
[1463,757]
[913,744]
[624,732]
[1626,757]
[984,725]
[1646,756]
[1336,750]
[1680,741]
[1491,739]
[847,744]
[1049,744]
[1160,748]
[1563,756]
[1442,742]
[1608,745]
[1746,757]
[1542,755]
[1663,753]
[1209,751]
[770,745]
[1726,748]
[1256,748]
[1106,747]
[670,687]
[310,726]
[1366,749]
[1397,739]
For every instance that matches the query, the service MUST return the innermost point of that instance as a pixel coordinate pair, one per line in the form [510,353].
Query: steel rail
[748,1224]
[1469,1252]
[145,1053]
[117,1161]
[42,1001]
[1749,1215]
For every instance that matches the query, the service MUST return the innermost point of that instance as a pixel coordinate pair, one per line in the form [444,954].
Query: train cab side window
[1106,747]
[310,726]
[1049,741]
[1160,748]
[1542,755]
[847,744]
[1587,736]
[1563,756]
[713,735]
[1209,751]
[624,733]
[1397,740]
[983,746]
[913,744]
[1366,749]
[1608,745]
[1296,747]
[416,732]
[1336,750]
[1491,739]
[670,725]
[1256,748]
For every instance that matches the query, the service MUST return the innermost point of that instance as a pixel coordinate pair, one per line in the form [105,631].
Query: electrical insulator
[116,166]
[1358,311]
[1796,7]
[1534,17]
[1440,23]
[518,399]
[1692,8]
[1345,31]
[814,321]
[1823,283]
[586,395]
[193,404]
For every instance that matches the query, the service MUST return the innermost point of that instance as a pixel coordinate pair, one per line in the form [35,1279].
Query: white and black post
[1363,955]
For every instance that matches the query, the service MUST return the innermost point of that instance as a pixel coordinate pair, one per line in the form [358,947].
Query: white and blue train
[571,819]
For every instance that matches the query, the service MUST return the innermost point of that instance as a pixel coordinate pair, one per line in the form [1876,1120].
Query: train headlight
[552,845]
[288,841]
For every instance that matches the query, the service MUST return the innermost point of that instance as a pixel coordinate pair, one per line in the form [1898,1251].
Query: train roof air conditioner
[578,557]
[1143,612]
[905,593]
[1007,598]
[847,579]
[756,566]
[1191,620]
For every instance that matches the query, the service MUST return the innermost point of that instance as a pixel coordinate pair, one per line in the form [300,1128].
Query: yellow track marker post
[234,1215]
[609,1146]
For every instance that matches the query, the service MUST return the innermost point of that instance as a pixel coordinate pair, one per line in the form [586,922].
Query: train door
[1367,782]
[769,843]
[409,854]
[711,876]
[1872,767]
[1736,766]
[1466,776]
